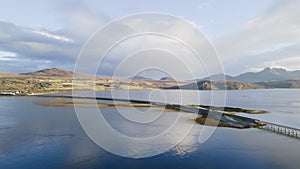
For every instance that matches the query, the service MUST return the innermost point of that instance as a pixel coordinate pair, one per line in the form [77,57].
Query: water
[33,136]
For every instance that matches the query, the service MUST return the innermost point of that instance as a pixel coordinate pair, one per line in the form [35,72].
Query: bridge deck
[281,129]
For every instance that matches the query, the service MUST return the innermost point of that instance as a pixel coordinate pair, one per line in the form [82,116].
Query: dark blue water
[33,136]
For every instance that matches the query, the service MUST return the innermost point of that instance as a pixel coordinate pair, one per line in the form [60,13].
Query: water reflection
[33,136]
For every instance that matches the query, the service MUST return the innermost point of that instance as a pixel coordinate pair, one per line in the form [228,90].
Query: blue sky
[248,35]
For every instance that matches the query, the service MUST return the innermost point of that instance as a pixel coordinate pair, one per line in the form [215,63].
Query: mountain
[219,77]
[58,73]
[141,78]
[268,74]
[267,78]
[51,72]
[56,80]
[167,79]
[218,85]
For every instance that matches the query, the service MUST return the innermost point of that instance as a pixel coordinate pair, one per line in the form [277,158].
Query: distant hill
[219,77]
[8,75]
[167,79]
[295,83]
[51,72]
[218,85]
[141,78]
[268,74]
[58,73]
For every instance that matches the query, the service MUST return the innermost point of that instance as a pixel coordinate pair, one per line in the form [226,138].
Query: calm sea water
[34,136]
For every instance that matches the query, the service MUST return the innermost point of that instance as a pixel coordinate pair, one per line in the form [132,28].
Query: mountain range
[59,80]
[268,74]
[267,78]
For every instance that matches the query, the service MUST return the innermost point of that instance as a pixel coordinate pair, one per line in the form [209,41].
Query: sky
[248,35]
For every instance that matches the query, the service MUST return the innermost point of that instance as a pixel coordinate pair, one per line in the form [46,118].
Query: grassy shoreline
[213,116]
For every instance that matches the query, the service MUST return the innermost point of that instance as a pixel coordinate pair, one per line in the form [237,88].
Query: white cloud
[53,36]
[7,56]
[290,63]
[176,31]
[38,47]
[263,39]
[81,21]
[5,53]
[272,39]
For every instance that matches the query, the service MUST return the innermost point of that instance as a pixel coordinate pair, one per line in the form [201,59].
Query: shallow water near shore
[36,136]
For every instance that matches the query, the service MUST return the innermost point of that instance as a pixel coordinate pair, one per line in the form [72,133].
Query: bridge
[281,129]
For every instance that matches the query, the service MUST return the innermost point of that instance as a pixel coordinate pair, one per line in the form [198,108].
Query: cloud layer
[35,48]
[268,40]
[271,39]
